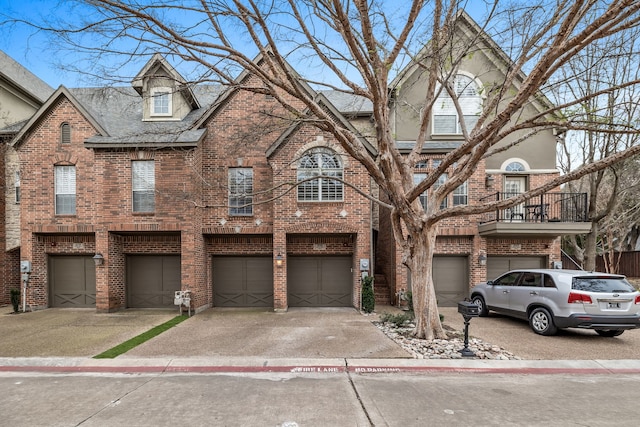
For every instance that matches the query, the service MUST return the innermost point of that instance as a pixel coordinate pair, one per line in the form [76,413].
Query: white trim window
[65,190]
[323,163]
[161,101]
[446,120]
[417,179]
[240,191]
[143,184]
[461,195]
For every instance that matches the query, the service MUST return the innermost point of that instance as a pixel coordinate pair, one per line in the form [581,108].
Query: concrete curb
[315,366]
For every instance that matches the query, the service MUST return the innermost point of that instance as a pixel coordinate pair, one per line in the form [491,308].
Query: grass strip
[137,340]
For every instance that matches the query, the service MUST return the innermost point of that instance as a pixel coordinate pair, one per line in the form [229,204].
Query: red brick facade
[191,218]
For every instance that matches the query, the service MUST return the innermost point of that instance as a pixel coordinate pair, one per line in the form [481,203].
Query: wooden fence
[629,263]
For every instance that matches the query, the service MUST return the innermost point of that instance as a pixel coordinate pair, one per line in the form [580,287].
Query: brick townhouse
[132,193]
[21,95]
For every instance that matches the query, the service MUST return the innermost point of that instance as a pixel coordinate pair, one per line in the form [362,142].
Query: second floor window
[446,119]
[144,185]
[65,189]
[461,195]
[323,163]
[419,177]
[240,191]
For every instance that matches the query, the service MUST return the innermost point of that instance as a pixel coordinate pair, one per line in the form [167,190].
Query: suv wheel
[609,332]
[541,322]
[483,311]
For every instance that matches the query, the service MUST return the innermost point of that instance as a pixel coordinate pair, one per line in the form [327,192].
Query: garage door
[72,281]
[152,280]
[242,282]
[497,265]
[320,281]
[451,279]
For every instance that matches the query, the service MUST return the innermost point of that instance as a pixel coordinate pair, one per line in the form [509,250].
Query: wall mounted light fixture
[488,181]
[98,259]
[279,260]
[482,259]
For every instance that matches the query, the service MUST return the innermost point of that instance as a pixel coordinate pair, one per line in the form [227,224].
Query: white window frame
[143,186]
[240,191]
[158,95]
[65,190]
[322,162]
[470,101]
[461,195]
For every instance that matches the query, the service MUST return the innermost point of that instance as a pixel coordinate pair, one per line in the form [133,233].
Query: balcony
[547,215]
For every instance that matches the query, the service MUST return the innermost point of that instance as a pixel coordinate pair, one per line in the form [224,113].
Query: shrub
[368,296]
[15,299]
[397,319]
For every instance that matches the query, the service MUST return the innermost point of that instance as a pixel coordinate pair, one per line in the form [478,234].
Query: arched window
[323,163]
[445,116]
[515,167]
[65,133]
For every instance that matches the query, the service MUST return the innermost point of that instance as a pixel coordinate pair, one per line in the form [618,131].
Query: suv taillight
[637,301]
[575,297]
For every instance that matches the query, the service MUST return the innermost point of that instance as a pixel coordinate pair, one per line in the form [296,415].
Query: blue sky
[35,51]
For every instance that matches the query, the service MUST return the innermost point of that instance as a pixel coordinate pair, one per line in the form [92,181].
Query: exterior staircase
[381,290]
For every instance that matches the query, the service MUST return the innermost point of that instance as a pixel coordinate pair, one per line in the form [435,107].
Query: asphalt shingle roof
[23,78]
[119,112]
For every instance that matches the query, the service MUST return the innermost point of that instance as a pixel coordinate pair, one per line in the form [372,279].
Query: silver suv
[553,299]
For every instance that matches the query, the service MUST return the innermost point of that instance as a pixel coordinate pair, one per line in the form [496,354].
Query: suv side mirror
[490,282]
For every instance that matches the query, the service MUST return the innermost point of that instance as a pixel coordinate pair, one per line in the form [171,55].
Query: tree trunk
[590,248]
[428,325]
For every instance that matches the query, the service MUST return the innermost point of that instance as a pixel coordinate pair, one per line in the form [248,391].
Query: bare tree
[604,106]
[357,46]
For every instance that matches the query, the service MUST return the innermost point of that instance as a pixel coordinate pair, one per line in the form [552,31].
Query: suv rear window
[602,284]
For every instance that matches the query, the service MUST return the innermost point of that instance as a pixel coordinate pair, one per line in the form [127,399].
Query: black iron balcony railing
[551,207]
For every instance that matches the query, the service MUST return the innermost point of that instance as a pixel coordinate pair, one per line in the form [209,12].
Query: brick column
[280,302]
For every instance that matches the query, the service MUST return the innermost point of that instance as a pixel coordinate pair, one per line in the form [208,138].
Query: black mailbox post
[468,310]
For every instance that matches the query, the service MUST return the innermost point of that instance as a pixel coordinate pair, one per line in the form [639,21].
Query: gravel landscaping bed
[442,349]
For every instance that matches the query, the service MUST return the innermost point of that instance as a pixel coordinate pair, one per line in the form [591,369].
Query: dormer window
[161,104]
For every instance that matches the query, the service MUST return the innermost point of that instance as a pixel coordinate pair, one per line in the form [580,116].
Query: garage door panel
[451,279]
[242,282]
[497,265]
[72,281]
[152,280]
[320,281]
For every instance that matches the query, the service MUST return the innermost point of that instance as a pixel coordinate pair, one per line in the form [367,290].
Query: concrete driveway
[570,344]
[298,333]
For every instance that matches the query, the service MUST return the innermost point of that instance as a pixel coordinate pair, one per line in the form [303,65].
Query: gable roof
[323,100]
[23,79]
[116,113]
[158,61]
[61,92]
[494,53]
